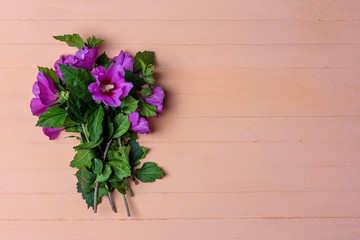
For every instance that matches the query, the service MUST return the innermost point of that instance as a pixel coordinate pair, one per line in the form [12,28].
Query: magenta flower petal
[52,133]
[47,90]
[110,85]
[37,108]
[125,60]
[156,98]
[138,124]
[36,89]
[86,58]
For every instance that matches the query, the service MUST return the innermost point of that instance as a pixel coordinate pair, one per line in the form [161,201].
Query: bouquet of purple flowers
[107,102]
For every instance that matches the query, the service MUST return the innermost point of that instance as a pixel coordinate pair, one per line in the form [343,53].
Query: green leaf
[135,79]
[77,81]
[102,59]
[119,154]
[73,40]
[94,126]
[146,57]
[149,172]
[93,41]
[89,196]
[104,176]
[146,109]
[74,129]
[136,153]
[121,125]
[76,108]
[86,179]
[97,166]
[88,145]
[69,123]
[108,127]
[53,117]
[129,104]
[146,92]
[121,186]
[50,73]
[82,158]
[120,170]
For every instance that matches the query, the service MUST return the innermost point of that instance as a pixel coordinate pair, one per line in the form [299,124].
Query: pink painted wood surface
[261,134]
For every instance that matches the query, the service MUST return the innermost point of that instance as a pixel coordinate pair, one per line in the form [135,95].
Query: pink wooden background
[261,134]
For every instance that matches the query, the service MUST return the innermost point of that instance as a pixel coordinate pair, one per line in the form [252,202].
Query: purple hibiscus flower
[84,58]
[110,85]
[138,124]
[156,98]
[125,60]
[45,96]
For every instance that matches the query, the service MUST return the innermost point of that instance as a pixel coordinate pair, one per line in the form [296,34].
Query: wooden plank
[173,155]
[184,10]
[255,229]
[227,178]
[197,32]
[188,205]
[200,93]
[204,56]
[277,130]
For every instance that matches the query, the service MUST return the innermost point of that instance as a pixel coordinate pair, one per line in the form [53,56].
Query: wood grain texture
[260,134]
[184,10]
[206,57]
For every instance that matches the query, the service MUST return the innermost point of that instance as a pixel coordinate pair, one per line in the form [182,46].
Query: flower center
[106,86]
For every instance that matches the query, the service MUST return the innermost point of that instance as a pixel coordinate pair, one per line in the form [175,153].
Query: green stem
[129,188]
[126,205]
[109,196]
[95,196]
[97,184]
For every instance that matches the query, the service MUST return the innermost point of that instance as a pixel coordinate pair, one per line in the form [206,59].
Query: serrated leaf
[86,179]
[149,172]
[120,170]
[136,153]
[108,127]
[94,126]
[82,158]
[76,108]
[129,104]
[93,41]
[121,186]
[146,109]
[75,129]
[102,59]
[147,57]
[121,125]
[88,145]
[89,196]
[119,154]
[135,79]
[53,117]
[104,176]
[97,166]
[72,40]
[50,73]
[77,81]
